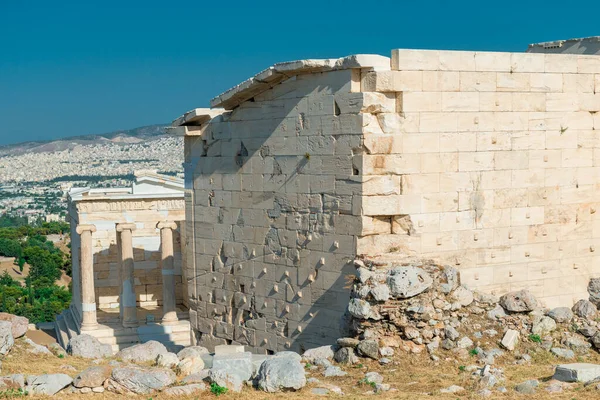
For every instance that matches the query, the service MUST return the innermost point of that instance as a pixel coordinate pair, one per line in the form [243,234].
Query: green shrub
[217,389]
[535,338]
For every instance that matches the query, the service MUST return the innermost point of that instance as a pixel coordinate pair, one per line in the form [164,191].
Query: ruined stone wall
[489,163]
[274,201]
[105,214]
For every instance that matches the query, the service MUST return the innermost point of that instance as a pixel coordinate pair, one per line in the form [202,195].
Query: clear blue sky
[79,67]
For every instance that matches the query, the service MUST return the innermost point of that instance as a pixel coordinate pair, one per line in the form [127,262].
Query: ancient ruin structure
[488,162]
[127,260]
[589,45]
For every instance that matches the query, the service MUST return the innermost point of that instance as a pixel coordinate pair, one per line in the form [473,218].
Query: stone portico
[127,255]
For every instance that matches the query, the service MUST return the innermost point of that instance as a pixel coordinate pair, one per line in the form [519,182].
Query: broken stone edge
[279,72]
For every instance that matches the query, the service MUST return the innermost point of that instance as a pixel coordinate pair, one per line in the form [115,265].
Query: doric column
[167,267]
[86,264]
[127,299]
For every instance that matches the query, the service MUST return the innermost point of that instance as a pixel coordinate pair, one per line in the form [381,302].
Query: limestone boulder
[326,352]
[143,352]
[519,301]
[281,374]
[92,377]
[361,309]
[19,324]
[36,348]
[543,326]
[192,351]
[185,390]
[380,292]
[87,346]
[168,360]
[368,348]
[561,314]
[143,380]
[238,365]
[190,365]
[48,384]
[225,379]
[6,338]
[16,381]
[462,295]
[57,350]
[585,309]
[450,279]
[346,355]
[510,339]
[577,372]
[594,291]
[196,378]
[409,281]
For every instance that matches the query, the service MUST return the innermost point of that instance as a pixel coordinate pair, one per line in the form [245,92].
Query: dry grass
[414,377]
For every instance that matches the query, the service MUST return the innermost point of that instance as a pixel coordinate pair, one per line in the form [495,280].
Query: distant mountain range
[135,135]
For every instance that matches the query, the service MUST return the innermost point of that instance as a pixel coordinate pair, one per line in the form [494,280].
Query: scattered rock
[92,377]
[462,295]
[496,313]
[190,365]
[238,365]
[451,333]
[167,360]
[16,381]
[563,353]
[186,390]
[594,291]
[36,348]
[193,351]
[6,338]
[464,343]
[520,301]
[453,389]
[380,292]
[346,355]
[223,378]
[561,314]
[577,343]
[368,348]
[527,387]
[587,331]
[449,279]
[347,342]
[585,309]
[143,380]
[386,351]
[361,309]
[554,387]
[87,346]
[405,282]
[57,350]
[196,378]
[577,372]
[280,374]
[143,352]
[48,384]
[19,325]
[326,352]
[510,339]
[544,326]
[333,371]
[374,377]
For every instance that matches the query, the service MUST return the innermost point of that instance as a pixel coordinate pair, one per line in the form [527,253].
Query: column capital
[85,227]
[125,226]
[166,224]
